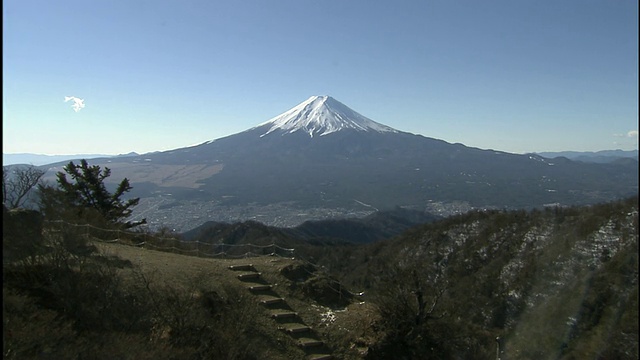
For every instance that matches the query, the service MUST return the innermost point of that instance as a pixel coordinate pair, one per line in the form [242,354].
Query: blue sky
[517,76]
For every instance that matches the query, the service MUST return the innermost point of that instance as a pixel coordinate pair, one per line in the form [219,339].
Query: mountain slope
[559,284]
[389,169]
[323,158]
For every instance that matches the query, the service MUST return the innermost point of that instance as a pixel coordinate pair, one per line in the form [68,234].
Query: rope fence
[172,244]
[192,247]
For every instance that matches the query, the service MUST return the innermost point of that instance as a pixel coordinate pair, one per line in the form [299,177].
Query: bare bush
[17,183]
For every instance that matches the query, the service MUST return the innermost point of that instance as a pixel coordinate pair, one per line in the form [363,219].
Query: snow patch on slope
[321,115]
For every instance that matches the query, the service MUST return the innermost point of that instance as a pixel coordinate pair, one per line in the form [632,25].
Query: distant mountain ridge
[377,226]
[585,156]
[41,159]
[604,156]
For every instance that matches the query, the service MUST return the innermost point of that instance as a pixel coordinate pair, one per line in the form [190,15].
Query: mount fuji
[321,159]
[321,115]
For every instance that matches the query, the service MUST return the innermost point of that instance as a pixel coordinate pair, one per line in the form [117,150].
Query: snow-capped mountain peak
[321,115]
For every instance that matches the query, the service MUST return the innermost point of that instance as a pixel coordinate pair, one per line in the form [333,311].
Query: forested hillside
[558,283]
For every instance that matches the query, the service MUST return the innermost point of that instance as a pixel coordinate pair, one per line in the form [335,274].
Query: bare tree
[17,182]
[410,294]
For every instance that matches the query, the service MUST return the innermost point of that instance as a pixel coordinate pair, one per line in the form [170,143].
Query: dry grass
[348,329]
[171,269]
[166,305]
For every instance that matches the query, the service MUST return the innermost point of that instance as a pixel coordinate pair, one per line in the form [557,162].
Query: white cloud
[77,102]
[633,133]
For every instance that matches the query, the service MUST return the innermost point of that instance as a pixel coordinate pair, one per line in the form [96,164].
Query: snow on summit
[321,115]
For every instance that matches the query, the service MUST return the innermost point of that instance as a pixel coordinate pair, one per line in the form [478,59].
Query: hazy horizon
[41,159]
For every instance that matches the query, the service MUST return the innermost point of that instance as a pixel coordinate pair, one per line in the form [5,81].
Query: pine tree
[86,190]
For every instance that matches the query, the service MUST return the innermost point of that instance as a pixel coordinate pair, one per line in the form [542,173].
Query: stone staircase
[285,318]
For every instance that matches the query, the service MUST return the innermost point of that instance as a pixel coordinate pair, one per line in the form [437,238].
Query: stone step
[320,357]
[260,287]
[306,343]
[283,314]
[247,276]
[245,267]
[272,301]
